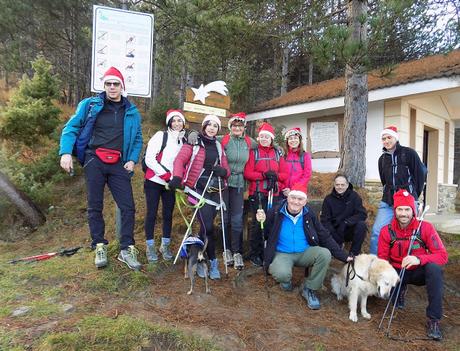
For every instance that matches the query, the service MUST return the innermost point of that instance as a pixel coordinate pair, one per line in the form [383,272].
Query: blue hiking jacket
[132,131]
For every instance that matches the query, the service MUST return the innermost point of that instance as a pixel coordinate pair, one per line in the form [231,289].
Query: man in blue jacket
[105,134]
[295,237]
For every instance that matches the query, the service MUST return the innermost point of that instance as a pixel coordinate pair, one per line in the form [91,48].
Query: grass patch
[124,333]
[9,340]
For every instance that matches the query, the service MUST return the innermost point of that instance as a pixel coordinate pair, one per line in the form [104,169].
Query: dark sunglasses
[115,84]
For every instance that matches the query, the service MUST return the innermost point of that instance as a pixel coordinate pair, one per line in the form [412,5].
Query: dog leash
[351,270]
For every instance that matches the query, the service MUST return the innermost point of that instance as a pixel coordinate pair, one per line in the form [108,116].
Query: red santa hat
[299,189]
[390,130]
[210,118]
[291,132]
[113,74]
[174,113]
[240,116]
[403,198]
[267,128]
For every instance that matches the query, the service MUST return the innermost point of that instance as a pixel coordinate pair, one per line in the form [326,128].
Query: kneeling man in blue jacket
[295,237]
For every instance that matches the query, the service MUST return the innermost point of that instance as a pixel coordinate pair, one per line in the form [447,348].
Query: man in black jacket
[295,237]
[400,167]
[344,216]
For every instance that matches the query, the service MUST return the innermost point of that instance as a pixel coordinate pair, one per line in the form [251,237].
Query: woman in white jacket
[159,158]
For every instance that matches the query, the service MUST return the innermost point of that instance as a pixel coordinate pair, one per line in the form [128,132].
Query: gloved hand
[219,171]
[191,137]
[175,183]
[271,182]
[166,177]
[271,175]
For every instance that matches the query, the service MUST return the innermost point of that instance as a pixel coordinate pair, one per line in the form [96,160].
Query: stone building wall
[447,194]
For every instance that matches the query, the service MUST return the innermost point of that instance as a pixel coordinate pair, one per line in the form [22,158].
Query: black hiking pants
[118,179]
[430,275]
[153,192]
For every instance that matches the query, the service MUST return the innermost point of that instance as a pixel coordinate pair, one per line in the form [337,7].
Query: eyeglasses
[115,84]
[237,126]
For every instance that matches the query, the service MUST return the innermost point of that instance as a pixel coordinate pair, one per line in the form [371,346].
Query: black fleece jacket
[401,169]
[342,210]
[315,233]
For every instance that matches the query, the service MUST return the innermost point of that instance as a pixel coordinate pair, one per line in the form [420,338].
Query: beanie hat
[114,74]
[267,128]
[210,118]
[170,114]
[299,189]
[240,116]
[291,132]
[403,198]
[390,130]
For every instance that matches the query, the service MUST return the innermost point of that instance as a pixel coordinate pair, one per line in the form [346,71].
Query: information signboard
[123,39]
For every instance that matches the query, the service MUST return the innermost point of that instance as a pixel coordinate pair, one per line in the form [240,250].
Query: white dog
[370,276]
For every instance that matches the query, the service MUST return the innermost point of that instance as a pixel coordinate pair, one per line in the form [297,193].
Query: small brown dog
[194,257]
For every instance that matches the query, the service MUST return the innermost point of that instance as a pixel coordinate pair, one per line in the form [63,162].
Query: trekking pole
[47,256]
[189,228]
[401,276]
[223,226]
[270,199]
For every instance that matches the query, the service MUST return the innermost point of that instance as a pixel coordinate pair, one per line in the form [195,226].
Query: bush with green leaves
[31,114]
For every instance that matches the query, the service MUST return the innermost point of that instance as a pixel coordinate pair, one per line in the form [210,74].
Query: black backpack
[163,145]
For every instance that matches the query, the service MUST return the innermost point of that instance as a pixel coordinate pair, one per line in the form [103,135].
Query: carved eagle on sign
[219,86]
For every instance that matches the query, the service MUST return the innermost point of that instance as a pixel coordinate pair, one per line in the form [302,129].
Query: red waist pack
[108,155]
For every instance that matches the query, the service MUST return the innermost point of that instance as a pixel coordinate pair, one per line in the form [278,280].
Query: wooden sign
[209,99]
[194,117]
[214,99]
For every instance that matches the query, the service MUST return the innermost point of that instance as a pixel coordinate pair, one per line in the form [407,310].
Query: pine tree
[31,114]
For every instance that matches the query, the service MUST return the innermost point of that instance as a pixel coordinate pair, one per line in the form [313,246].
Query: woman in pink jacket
[298,161]
[192,168]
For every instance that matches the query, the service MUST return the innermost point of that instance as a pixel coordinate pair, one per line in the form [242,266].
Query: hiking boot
[214,270]
[433,330]
[256,261]
[238,261]
[164,249]
[228,257]
[101,256]
[129,256]
[200,271]
[286,286]
[151,253]
[311,298]
[401,302]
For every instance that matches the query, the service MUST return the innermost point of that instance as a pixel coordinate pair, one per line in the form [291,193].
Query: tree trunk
[352,158]
[22,202]
[310,70]
[156,78]
[285,69]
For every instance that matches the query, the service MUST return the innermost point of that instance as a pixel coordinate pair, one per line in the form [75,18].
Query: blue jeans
[384,216]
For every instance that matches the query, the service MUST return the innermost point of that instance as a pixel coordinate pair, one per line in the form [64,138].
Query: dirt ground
[245,313]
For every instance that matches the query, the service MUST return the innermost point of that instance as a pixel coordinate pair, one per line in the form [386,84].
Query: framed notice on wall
[324,136]
[123,39]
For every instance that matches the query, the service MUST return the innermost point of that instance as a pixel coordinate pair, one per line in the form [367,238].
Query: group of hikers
[105,134]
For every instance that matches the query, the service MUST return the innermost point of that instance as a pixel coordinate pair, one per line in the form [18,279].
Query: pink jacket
[189,162]
[294,169]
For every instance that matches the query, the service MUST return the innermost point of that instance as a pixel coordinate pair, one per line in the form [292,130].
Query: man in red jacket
[424,262]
